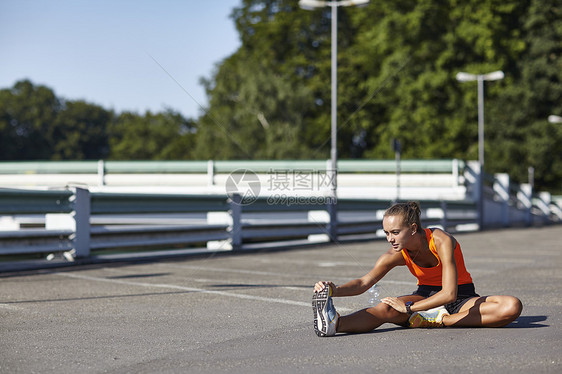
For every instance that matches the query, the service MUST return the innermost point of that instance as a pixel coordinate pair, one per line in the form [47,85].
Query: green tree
[520,136]
[259,106]
[36,124]
[80,132]
[160,136]
[27,113]
[397,63]
[259,118]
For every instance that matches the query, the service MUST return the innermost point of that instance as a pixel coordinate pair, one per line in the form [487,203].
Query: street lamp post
[311,5]
[480,78]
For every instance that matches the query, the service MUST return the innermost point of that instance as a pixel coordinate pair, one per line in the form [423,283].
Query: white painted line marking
[238,271]
[190,289]
[272,274]
[10,307]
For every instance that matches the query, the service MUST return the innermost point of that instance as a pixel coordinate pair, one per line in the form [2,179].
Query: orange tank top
[433,276]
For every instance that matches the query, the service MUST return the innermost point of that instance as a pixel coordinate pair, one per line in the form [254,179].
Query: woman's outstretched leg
[369,319]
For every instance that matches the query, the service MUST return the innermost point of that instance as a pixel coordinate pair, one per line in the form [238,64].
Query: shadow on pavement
[528,322]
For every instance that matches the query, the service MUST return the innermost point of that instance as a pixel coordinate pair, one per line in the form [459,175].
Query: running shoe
[428,318]
[325,315]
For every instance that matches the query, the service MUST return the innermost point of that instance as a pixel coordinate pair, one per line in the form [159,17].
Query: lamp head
[465,77]
[494,76]
[554,119]
[311,4]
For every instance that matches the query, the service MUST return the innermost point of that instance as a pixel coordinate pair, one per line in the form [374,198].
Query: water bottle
[373,294]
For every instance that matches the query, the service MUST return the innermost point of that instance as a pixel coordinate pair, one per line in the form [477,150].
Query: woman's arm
[357,286]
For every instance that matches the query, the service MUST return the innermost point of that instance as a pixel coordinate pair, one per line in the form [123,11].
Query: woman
[445,294]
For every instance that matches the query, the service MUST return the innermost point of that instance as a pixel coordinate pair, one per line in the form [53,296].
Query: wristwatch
[408,306]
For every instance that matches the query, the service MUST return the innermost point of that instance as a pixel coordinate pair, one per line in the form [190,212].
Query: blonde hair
[410,212]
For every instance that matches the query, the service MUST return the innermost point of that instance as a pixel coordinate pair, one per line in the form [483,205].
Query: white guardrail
[80,223]
[86,221]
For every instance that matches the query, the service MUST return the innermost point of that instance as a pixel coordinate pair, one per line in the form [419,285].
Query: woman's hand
[396,303]
[321,285]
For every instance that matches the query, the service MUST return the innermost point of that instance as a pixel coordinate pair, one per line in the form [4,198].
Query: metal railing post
[236,228]
[210,173]
[331,206]
[501,188]
[101,173]
[444,222]
[455,172]
[544,199]
[525,197]
[475,179]
[81,215]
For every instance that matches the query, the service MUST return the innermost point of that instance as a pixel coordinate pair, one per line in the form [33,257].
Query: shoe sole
[319,300]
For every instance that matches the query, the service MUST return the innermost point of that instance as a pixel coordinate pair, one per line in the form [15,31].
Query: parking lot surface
[251,313]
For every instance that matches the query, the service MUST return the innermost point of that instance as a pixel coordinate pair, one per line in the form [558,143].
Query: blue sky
[109,52]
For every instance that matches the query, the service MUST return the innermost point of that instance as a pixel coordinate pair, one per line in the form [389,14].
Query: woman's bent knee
[513,307]
[509,309]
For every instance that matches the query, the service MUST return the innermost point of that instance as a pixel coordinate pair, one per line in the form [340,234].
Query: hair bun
[415,206]
[410,212]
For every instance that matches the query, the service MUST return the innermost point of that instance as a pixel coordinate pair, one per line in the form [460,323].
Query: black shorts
[465,292]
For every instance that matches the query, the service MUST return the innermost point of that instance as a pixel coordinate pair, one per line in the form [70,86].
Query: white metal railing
[79,222]
[229,224]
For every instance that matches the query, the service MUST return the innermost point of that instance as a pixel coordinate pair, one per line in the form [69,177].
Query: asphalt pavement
[251,313]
